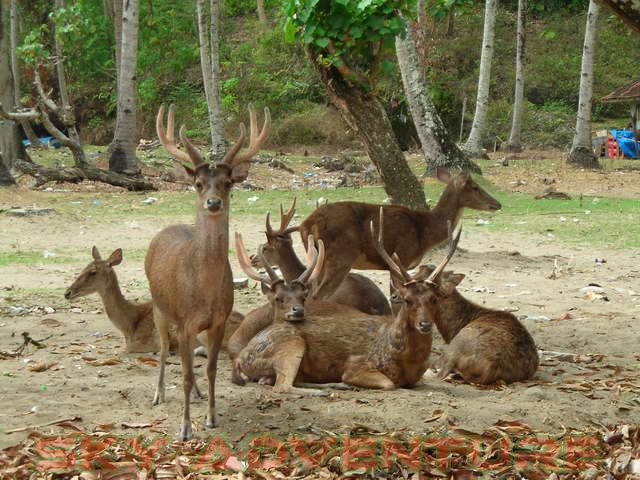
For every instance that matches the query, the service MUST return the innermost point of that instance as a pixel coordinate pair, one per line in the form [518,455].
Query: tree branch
[50,104]
[22,114]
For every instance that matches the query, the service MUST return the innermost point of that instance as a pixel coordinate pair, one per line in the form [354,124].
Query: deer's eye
[228,183]
[92,273]
[198,184]
[434,300]
[279,301]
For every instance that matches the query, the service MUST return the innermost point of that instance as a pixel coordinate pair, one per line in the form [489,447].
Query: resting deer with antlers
[188,267]
[334,345]
[344,229]
[133,319]
[356,290]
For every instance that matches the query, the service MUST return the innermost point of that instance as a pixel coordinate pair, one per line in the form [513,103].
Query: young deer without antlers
[344,229]
[188,267]
[133,319]
[334,343]
[485,345]
[356,290]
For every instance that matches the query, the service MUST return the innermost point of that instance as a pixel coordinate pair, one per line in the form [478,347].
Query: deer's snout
[68,294]
[425,327]
[213,204]
[296,313]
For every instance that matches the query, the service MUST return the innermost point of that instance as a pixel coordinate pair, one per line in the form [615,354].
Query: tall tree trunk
[8,136]
[262,13]
[581,154]
[210,63]
[438,148]
[473,147]
[67,114]
[113,11]
[367,116]
[122,157]
[15,71]
[514,144]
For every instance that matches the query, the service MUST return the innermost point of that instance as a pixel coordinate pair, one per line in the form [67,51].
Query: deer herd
[322,326]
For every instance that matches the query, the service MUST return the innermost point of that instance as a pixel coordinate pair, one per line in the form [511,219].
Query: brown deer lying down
[188,267]
[485,345]
[356,290]
[344,229]
[133,319]
[332,343]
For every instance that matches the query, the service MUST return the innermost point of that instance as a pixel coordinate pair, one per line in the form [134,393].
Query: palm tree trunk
[122,157]
[8,131]
[514,144]
[262,14]
[437,146]
[473,147]
[581,154]
[25,124]
[66,114]
[210,63]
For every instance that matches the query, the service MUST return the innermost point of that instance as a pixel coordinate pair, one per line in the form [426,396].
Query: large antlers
[454,237]
[285,219]
[167,138]
[394,263]
[394,266]
[232,158]
[315,261]
[256,140]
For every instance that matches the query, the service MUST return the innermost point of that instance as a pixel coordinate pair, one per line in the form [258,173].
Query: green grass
[30,257]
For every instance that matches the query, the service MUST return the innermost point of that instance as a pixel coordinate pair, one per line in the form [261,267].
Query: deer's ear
[115,258]
[95,253]
[450,281]
[443,175]
[240,172]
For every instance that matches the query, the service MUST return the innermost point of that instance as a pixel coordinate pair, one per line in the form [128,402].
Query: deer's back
[495,346]
[363,294]
[345,226]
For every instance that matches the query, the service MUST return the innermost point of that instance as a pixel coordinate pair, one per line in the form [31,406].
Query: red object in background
[613,151]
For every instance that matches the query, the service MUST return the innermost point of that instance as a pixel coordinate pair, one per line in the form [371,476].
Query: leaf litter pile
[508,449]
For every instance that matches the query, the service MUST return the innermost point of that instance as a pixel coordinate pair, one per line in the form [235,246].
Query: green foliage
[354,31]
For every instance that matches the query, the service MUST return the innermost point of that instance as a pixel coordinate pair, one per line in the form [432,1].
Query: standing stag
[188,267]
[356,290]
[344,229]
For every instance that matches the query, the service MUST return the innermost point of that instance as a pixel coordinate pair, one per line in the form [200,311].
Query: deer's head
[213,182]
[416,297]
[277,240]
[96,276]
[470,194]
[287,298]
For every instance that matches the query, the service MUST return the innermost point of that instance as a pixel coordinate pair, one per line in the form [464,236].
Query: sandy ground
[600,385]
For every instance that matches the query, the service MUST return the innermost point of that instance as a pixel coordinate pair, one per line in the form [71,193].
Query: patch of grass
[30,257]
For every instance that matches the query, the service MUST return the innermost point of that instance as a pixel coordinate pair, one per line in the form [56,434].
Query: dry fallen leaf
[136,425]
[43,367]
[51,322]
[148,361]
[435,415]
[102,363]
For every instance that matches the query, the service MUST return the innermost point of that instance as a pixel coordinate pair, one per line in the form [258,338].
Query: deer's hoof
[211,421]
[185,432]
[157,400]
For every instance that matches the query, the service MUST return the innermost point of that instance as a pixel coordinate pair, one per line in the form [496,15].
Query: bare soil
[93,378]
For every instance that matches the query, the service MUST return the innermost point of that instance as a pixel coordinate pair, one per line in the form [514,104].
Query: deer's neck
[456,312]
[290,264]
[122,313]
[447,210]
[211,242]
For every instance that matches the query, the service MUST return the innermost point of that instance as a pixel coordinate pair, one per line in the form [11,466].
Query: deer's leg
[215,334]
[197,394]
[163,331]
[364,375]
[286,364]
[185,345]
